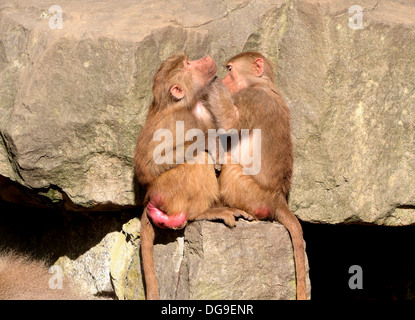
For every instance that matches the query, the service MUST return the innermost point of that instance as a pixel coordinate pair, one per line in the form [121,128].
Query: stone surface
[99,252]
[108,267]
[207,260]
[91,271]
[352,98]
[73,100]
[254,260]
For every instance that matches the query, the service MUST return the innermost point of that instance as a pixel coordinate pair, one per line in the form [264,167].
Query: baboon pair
[178,192]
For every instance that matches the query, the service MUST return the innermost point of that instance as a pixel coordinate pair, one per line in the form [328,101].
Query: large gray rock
[352,99]
[254,260]
[73,100]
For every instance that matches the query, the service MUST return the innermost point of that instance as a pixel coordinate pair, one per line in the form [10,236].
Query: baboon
[22,278]
[251,101]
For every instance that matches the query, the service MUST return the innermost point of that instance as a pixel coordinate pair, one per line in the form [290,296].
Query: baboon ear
[259,67]
[177,92]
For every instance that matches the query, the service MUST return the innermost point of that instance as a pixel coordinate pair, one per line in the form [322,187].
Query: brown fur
[256,104]
[174,188]
[24,279]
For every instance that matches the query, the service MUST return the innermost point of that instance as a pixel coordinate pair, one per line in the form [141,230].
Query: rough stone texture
[192,264]
[111,267]
[105,268]
[352,97]
[91,271]
[201,265]
[73,100]
[254,262]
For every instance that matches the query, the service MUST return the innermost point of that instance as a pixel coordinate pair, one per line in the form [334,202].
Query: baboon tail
[290,221]
[147,236]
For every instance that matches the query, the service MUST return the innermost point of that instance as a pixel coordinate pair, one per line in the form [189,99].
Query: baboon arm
[220,104]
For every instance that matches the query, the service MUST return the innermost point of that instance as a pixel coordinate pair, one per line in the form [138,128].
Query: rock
[100,254]
[168,255]
[125,248]
[351,94]
[103,269]
[91,271]
[254,262]
[73,100]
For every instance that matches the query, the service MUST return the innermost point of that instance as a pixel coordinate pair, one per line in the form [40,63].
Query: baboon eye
[229,67]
